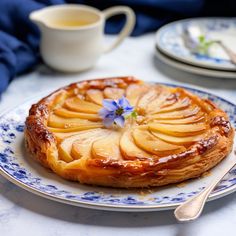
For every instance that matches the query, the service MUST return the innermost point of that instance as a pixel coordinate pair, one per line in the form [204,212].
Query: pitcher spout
[37,18]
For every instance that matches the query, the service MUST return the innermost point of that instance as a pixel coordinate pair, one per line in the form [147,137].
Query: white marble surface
[22,213]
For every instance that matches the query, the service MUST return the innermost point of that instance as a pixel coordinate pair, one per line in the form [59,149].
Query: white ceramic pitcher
[72,35]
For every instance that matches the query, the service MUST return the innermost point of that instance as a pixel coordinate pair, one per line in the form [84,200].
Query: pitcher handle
[128,27]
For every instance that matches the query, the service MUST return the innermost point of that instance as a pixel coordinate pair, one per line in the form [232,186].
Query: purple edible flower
[115,111]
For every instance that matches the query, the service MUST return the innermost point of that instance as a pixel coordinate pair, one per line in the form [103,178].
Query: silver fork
[192,208]
[229,52]
[194,32]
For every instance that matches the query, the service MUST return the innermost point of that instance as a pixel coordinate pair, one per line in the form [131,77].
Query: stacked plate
[171,49]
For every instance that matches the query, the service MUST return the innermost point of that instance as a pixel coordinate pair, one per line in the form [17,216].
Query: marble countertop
[23,213]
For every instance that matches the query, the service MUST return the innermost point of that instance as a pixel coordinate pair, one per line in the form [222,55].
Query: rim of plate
[194,69]
[190,60]
[105,206]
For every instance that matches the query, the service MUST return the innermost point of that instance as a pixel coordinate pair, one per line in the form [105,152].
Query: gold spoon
[192,208]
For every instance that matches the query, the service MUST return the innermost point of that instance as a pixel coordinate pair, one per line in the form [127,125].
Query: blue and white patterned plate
[194,69]
[20,169]
[169,41]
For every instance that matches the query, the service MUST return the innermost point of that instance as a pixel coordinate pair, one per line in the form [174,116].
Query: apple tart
[174,136]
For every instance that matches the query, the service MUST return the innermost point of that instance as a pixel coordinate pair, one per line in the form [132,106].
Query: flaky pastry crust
[177,135]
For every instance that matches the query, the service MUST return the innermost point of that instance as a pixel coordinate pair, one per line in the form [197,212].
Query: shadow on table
[23,199]
[192,79]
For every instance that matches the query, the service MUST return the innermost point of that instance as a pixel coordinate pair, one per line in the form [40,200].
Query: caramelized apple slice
[178,130]
[60,122]
[82,147]
[80,105]
[206,105]
[108,147]
[181,104]
[177,140]
[145,100]
[59,99]
[95,95]
[148,142]
[71,114]
[129,150]
[191,111]
[154,106]
[65,148]
[76,129]
[134,91]
[188,120]
[61,136]
[113,93]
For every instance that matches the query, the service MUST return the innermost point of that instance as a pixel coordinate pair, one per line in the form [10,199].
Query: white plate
[194,69]
[169,41]
[20,169]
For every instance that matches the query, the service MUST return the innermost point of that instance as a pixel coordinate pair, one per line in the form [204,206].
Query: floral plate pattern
[19,168]
[194,69]
[169,41]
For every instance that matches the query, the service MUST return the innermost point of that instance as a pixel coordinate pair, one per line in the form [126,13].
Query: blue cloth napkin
[19,38]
